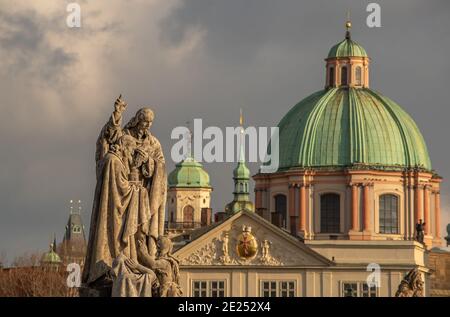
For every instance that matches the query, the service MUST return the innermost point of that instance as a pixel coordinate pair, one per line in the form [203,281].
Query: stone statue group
[128,254]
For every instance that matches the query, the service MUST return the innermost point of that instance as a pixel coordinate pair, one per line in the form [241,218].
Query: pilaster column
[426,209]
[366,207]
[258,199]
[302,208]
[350,74]
[418,203]
[292,218]
[291,200]
[437,213]
[354,208]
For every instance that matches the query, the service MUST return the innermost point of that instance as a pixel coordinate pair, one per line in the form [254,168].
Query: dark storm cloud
[24,40]
[261,55]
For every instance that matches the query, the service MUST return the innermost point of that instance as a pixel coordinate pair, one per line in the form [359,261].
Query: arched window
[344,75]
[280,210]
[188,214]
[358,73]
[331,77]
[330,216]
[388,214]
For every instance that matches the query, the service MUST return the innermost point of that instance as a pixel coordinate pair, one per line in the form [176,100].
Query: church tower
[241,177]
[353,165]
[73,247]
[188,195]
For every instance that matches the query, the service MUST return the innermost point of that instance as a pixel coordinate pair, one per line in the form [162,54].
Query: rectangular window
[388,214]
[278,288]
[217,288]
[331,77]
[368,291]
[199,288]
[350,289]
[208,288]
[330,213]
[344,76]
[358,289]
[287,289]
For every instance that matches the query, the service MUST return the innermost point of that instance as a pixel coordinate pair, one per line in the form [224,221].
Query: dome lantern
[347,64]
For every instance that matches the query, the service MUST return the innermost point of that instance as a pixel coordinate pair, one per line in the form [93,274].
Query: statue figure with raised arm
[129,197]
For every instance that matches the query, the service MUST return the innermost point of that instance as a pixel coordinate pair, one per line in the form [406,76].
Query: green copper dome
[347,48]
[241,171]
[50,257]
[189,173]
[344,127]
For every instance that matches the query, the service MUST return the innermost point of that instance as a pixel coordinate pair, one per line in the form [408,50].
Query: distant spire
[189,141]
[54,242]
[348,26]
[241,177]
[241,150]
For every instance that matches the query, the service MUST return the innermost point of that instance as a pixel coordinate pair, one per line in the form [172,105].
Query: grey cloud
[24,40]
[263,56]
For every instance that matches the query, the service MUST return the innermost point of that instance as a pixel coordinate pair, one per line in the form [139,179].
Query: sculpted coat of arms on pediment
[237,248]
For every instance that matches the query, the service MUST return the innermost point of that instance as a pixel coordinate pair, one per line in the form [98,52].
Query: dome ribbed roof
[189,173]
[347,48]
[50,257]
[342,127]
[241,171]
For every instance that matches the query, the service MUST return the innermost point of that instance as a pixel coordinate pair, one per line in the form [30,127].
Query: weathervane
[348,26]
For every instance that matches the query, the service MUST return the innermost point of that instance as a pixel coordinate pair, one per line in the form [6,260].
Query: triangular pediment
[248,239]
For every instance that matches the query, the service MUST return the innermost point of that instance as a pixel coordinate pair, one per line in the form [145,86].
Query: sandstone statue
[412,285]
[166,267]
[129,202]
[130,279]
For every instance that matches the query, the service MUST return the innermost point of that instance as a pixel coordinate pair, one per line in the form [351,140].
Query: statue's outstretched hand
[120,105]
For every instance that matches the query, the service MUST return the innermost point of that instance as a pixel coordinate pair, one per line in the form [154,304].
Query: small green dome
[50,257]
[241,171]
[347,48]
[189,173]
[344,127]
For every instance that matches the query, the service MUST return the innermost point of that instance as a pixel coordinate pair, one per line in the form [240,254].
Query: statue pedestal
[98,291]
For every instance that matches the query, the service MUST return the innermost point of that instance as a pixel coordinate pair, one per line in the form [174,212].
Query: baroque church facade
[339,216]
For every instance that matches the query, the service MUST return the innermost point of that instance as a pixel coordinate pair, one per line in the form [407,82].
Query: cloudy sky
[186,59]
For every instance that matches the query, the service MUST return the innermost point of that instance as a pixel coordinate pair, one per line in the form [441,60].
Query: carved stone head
[165,246]
[141,122]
